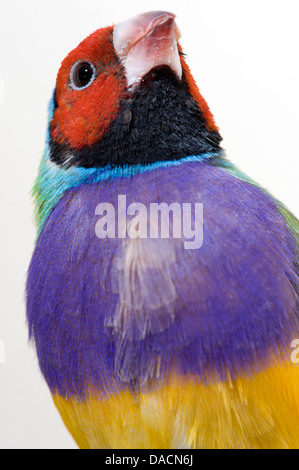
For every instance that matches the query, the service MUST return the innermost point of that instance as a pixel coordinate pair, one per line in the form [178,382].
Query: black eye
[82,75]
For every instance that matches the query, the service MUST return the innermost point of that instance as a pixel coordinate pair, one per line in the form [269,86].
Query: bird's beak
[147,41]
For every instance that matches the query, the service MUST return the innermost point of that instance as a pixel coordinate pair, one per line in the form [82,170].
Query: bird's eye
[82,75]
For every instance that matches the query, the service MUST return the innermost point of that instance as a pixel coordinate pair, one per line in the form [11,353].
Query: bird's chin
[157,74]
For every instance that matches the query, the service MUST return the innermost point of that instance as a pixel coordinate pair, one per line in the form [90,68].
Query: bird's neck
[160,122]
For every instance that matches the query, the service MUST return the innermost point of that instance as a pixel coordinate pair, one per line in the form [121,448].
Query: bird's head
[125,95]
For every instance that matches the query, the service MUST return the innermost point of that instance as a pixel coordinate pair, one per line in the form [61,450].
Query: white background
[244,55]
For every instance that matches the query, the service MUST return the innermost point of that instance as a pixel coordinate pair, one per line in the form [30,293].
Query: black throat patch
[159,122]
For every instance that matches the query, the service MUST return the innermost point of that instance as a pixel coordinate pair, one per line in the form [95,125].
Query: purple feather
[111,313]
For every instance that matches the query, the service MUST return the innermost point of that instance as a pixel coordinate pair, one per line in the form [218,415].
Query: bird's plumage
[142,342]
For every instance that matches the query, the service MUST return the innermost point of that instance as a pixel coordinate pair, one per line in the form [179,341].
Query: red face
[92,81]
[84,113]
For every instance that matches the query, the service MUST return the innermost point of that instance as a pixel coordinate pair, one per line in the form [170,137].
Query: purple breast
[113,313]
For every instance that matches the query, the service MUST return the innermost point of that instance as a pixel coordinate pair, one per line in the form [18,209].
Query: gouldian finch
[150,335]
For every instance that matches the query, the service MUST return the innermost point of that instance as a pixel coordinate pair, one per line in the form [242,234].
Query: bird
[151,340]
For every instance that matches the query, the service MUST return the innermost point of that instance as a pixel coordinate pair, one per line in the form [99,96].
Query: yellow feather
[258,411]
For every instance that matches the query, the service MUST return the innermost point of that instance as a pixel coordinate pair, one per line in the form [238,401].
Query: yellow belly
[258,411]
